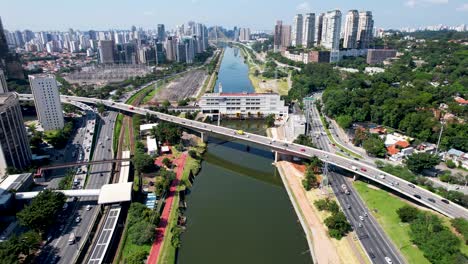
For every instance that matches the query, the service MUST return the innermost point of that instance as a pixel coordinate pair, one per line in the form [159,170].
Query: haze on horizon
[258,14]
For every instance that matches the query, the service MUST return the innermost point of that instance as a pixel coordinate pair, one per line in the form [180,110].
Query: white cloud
[413,3]
[303,7]
[463,7]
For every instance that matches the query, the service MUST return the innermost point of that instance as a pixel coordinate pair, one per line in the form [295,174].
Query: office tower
[181,52]
[277,35]
[365,29]
[92,35]
[14,143]
[308,35]
[161,32]
[244,34]
[47,101]
[171,49]
[319,29]
[159,49]
[106,51]
[351,29]
[127,53]
[118,37]
[190,50]
[331,30]
[297,29]
[19,41]
[3,83]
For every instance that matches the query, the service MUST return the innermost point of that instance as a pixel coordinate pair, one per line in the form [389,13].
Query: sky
[255,14]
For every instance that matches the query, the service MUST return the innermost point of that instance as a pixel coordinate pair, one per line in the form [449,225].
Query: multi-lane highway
[373,239]
[427,198]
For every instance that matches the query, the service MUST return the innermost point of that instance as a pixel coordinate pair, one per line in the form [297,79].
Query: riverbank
[262,84]
[323,248]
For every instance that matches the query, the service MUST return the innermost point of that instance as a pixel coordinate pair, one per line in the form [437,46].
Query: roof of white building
[115,193]
[147,127]
[151,144]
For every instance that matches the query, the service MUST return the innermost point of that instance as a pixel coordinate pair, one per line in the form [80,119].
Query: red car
[333,145]
[131,108]
[303,150]
[363,169]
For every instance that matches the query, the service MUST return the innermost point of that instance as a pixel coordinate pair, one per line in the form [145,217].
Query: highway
[59,251]
[399,185]
[373,239]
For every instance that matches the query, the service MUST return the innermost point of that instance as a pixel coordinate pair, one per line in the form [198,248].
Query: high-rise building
[106,50]
[14,143]
[181,52]
[161,32]
[351,29]
[3,83]
[319,29]
[296,36]
[159,49]
[331,30]
[277,35]
[3,43]
[308,35]
[171,48]
[286,36]
[244,34]
[365,29]
[47,101]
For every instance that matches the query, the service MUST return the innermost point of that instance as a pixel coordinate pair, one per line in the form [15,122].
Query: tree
[304,140]
[166,103]
[407,213]
[344,121]
[167,162]
[168,132]
[374,146]
[451,164]
[193,154]
[141,233]
[337,224]
[461,225]
[40,214]
[421,161]
[270,120]
[143,162]
[101,108]
[136,257]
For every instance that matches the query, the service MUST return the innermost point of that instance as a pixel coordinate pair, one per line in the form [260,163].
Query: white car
[388,260]
[77,219]
[362,218]
[88,207]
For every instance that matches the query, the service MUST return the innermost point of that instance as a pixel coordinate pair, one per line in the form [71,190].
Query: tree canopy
[418,162]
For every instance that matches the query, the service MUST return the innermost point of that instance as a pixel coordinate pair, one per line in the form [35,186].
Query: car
[355,158]
[88,207]
[431,200]
[303,150]
[363,169]
[49,238]
[365,214]
[361,218]
[417,196]
[131,108]
[411,185]
[371,255]
[333,145]
[388,260]
[348,206]
[445,201]
[381,176]
[77,219]
[285,144]
[61,228]
[360,225]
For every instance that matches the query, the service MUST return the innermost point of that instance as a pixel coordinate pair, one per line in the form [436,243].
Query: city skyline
[258,15]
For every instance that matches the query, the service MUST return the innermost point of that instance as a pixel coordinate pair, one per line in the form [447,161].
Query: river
[238,210]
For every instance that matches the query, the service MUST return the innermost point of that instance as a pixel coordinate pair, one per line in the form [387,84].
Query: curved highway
[416,193]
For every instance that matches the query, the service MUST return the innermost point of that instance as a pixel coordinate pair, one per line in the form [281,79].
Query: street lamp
[440,136]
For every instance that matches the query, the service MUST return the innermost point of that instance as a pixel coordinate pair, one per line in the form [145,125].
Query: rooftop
[115,193]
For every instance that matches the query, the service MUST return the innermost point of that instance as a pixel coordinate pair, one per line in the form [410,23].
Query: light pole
[440,136]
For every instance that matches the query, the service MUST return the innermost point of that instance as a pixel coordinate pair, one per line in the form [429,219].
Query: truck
[71,239]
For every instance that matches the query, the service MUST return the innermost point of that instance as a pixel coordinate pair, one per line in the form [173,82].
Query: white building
[331,30]
[151,145]
[47,101]
[351,29]
[297,29]
[244,34]
[308,35]
[243,104]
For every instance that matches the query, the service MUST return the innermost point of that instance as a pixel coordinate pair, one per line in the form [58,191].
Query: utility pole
[440,136]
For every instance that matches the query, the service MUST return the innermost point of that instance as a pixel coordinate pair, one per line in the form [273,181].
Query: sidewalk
[163,223]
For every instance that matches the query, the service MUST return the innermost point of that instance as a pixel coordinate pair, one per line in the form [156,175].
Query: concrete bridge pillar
[204,136]
[356,177]
[276,156]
